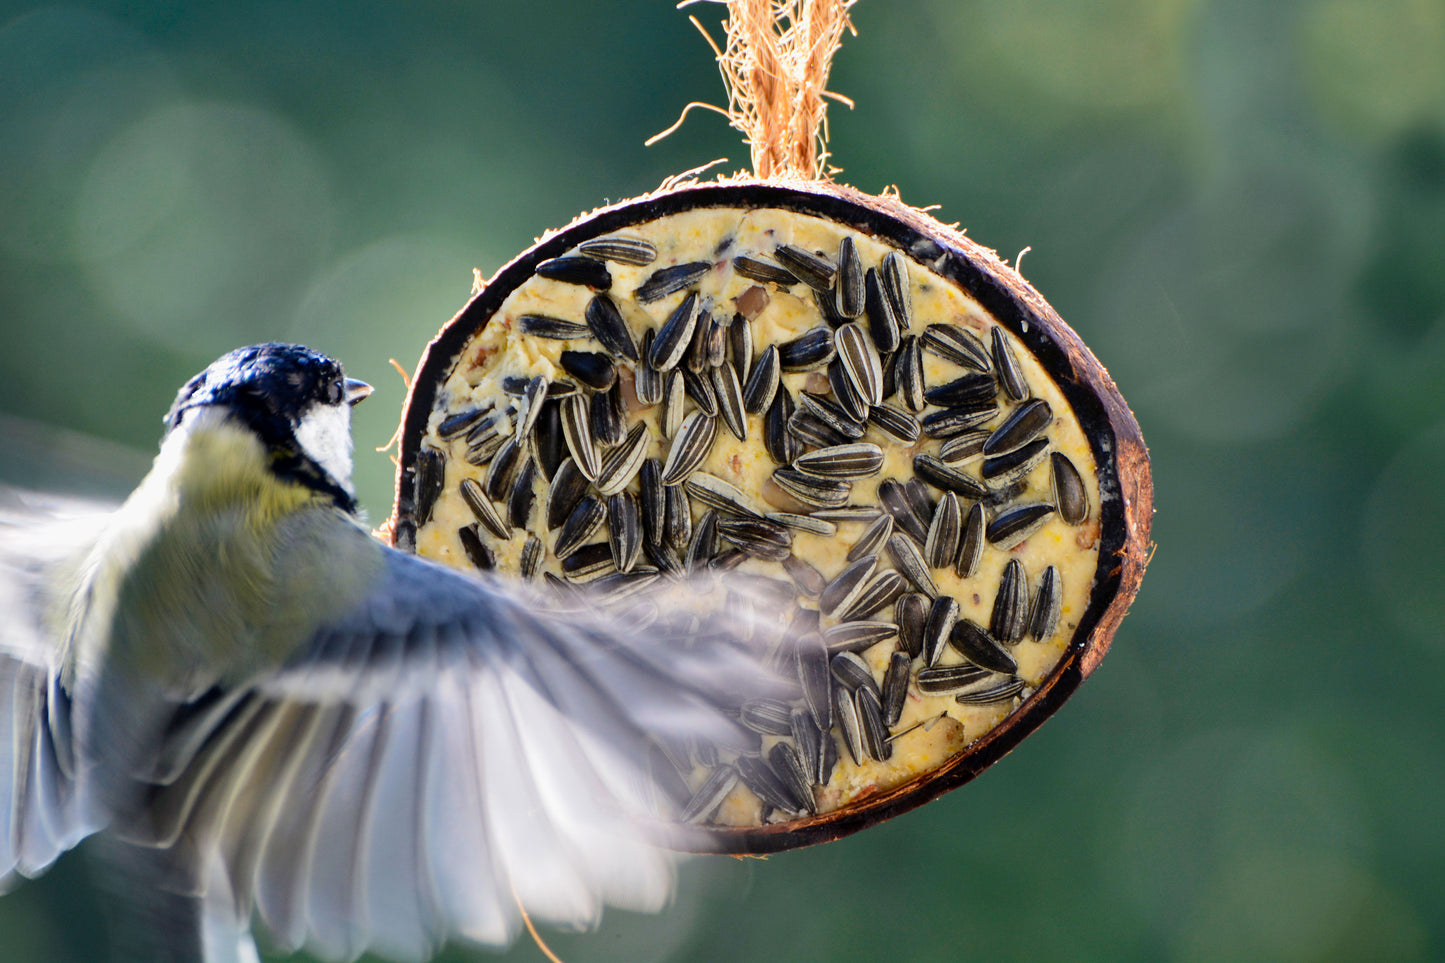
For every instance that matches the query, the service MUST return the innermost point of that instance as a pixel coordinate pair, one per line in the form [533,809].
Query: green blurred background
[1240,204]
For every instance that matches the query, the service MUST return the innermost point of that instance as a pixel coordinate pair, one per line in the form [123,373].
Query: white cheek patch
[324,433]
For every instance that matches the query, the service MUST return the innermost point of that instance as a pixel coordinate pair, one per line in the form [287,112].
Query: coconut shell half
[1021,430]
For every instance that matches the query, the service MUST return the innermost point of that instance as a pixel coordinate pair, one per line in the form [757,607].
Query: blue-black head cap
[266,383]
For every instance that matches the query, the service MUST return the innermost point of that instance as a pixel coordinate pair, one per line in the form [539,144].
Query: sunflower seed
[859,460]
[704,752]
[991,692]
[1010,605]
[480,555]
[1013,525]
[908,373]
[624,462]
[740,348]
[690,447]
[1010,376]
[669,279]
[893,272]
[674,404]
[845,588]
[647,380]
[942,679]
[849,513]
[699,389]
[942,543]
[815,679]
[803,523]
[786,763]
[881,592]
[811,349]
[584,521]
[703,542]
[895,502]
[677,517]
[768,716]
[845,392]
[911,614]
[758,537]
[593,368]
[860,359]
[578,432]
[605,322]
[1022,425]
[463,421]
[666,559]
[910,564]
[712,490]
[1068,489]
[541,326]
[608,416]
[852,671]
[942,615]
[808,740]
[1047,605]
[619,586]
[898,425]
[895,687]
[870,719]
[504,465]
[730,400]
[695,358]
[483,509]
[955,421]
[846,710]
[652,507]
[916,494]
[857,636]
[516,386]
[429,475]
[978,647]
[568,487]
[519,503]
[571,269]
[812,490]
[811,431]
[547,439]
[763,381]
[623,250]
[831,415]
[531,561]
[757,269]
[710,795]
[967,390]
[963,446]
[809,580]
[849,288]
[959,345]
[814,270]
[716,343]
[949,479]
[759,777]
[672,339]
[970,545]
[782,445]
[872,538]
[487,427]
[624,530]
[882,321]
[588,562]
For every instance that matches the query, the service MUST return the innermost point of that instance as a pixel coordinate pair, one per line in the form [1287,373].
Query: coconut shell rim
[1125,482]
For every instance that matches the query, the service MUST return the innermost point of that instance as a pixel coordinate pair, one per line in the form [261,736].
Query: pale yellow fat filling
[946,727]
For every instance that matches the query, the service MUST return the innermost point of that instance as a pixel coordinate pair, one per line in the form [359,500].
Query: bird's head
[297,402]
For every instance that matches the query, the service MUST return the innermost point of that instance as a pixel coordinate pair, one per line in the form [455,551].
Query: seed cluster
[874,451]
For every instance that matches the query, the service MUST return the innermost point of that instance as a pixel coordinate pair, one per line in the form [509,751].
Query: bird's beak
[356,391]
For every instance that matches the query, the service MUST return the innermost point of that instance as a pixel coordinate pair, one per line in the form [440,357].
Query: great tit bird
[261,707]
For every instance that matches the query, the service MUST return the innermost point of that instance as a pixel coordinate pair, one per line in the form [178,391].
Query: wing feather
[448,752]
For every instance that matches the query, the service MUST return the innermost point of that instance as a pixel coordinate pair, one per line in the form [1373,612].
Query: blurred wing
[450,750]
[42,811]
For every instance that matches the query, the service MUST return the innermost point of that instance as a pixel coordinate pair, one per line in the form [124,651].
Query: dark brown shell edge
[1125,483]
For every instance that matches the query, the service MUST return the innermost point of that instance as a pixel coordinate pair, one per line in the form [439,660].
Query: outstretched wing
[447,752]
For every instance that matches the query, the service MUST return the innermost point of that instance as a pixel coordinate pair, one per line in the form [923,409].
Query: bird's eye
[335,392]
